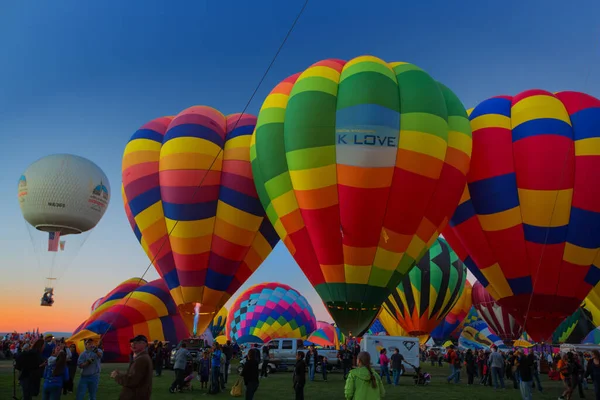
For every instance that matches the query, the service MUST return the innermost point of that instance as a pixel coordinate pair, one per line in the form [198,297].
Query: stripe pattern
[340,153]
[190,176]
[429,291]
[442,332]
[532,200]
[498,319]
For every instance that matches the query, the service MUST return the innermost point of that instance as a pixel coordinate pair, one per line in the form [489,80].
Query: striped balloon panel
[575,328]
[339,150]
[201,212]
[592,304]
[147,310]
[376,327]
[498,319]
[530,219]
[325,335]
[455,317]
[429,291]
[118,293]
[270,311]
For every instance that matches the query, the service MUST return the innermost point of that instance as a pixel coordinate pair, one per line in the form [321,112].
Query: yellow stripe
[491,121]
[387,260]
[275,100]
[501,220]
[191,229]
[361,59]
[460,141]
[587,147]
[314,178]
[189,145]
[357,273]
[285,204]
[423,143]
[538,107]
[149,216]
[415,247]
[237,217]
[579,255]
[495,274]
[142,145]
[538,207]
[262,247]
[320,72]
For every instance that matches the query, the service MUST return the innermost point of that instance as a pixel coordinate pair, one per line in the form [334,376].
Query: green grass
[279,386]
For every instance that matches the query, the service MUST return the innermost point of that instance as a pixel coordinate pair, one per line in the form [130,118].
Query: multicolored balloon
[147,310]
[376,327]
[575,328]
[390,324]
[429,291]
[122,290]
[530,215]
[188,183]
[497,318]
[471,317]
[269,311]
[217,325]
[326,335]
[360,165]
[444,330]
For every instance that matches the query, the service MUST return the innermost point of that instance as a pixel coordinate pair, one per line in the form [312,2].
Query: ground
[279,386]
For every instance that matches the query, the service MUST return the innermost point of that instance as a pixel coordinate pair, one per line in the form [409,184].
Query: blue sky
[81,77]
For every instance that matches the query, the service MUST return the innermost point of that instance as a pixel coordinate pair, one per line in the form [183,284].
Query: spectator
[362,383]
[137,381]
[89,363]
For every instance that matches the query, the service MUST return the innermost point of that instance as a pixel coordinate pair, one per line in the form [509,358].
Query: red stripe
[492,154]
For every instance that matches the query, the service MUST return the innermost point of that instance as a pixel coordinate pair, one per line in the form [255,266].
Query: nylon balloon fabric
[119,292]
[269,311]
[217,325]
[376,328]
[339,152]
[326,335]
[190,176]
[429,291]
[148,310]
[443,331]
[530,215]
[498,319]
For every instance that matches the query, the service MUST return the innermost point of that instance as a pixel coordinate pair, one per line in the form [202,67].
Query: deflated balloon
[359,165]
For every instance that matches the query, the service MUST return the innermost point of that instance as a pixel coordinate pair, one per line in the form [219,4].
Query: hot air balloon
[376,328]
[429,291]
[61,195]
[391,325]
[188,183]
[147,310]
[498,319]
[122,290]
[530,215]
[478,335]
[575,328]
[268,311]
[340,151]
[217,325]
[443,331]
[326,335]
[471,317]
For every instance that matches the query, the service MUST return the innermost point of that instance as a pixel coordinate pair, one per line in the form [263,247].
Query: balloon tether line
[218,154]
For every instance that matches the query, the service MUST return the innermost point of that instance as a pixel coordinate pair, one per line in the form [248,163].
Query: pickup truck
[194,345]
[282,355]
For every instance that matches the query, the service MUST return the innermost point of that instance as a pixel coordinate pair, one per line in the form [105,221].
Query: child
[324,368]
[204,370]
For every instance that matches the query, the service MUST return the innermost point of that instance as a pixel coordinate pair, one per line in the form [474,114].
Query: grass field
[279,386]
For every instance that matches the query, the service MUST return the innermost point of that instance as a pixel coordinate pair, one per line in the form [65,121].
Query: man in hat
[137,381]
[89,363]
[49,345]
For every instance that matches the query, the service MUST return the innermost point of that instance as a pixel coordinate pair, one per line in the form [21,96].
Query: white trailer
[407,346]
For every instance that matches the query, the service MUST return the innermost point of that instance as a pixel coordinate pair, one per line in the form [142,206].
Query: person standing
[345,356]
[181,357]
[250,374]
[299,378]
[312,359]
[228,351]
[30,364]
[264,371]
[72,366]
[496,362]
[55,375]
[89,363]
[524,368]
[215,368]
[362,383]
[384,365]
[593,370]
[471,367]
[396,361]
[137,381]
[158,358]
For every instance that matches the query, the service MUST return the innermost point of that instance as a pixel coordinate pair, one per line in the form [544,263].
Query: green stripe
[419,93]
[315,157]
[368,66]
[310,121]
[368,88]
[426,123]
[315,84]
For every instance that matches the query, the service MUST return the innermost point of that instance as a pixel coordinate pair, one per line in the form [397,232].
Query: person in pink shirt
[384,364]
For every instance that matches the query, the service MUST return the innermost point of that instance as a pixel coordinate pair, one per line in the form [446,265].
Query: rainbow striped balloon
[529,218]
[269,311]
[360,165]
[190,176]
[147,310]
[119,292]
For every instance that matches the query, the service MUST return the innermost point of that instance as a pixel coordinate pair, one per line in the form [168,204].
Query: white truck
[407,346]
[282,354]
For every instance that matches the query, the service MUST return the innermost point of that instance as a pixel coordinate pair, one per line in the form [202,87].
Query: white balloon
[63,193]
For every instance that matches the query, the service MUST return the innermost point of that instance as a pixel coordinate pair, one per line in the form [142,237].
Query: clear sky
[81,77]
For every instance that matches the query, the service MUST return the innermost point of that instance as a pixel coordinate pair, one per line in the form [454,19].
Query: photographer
[89,363]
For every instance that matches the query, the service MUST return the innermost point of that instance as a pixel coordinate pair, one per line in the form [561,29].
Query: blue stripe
[537,234]
[169,331]
[241,201]
[470,264]
[217,281]
[190,212]
[584,228]
[164,297]
[194,130]
[171,279]
[268,232]
[520,285]
[463,213]
[144,200]
[542,126]
[115,296]
[99,327]
[368,114]
[147,134]
[241,130]
[593,275]
[586,123]
[494,195]
[492,106]
[138,233]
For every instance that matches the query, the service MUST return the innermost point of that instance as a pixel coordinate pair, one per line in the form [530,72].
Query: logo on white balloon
[99,198]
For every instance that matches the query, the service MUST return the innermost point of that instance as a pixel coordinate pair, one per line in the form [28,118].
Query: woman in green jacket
[362,383]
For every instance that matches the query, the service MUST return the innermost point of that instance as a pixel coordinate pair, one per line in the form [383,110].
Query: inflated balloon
[63,193]
[443,331]
[429,291]
[376,328]
[360,164]
[188,182]
[498,319]
[148,310]
[270,311]
[217,325]
[471,317]
[530,215]
[326,335]
[119,292]
[575,328]
[390,324]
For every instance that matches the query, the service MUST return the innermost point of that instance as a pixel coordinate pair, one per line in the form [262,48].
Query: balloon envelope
[530,217]
[189,186]
[269,311]
[360,165]
[443,331]
[497,318]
